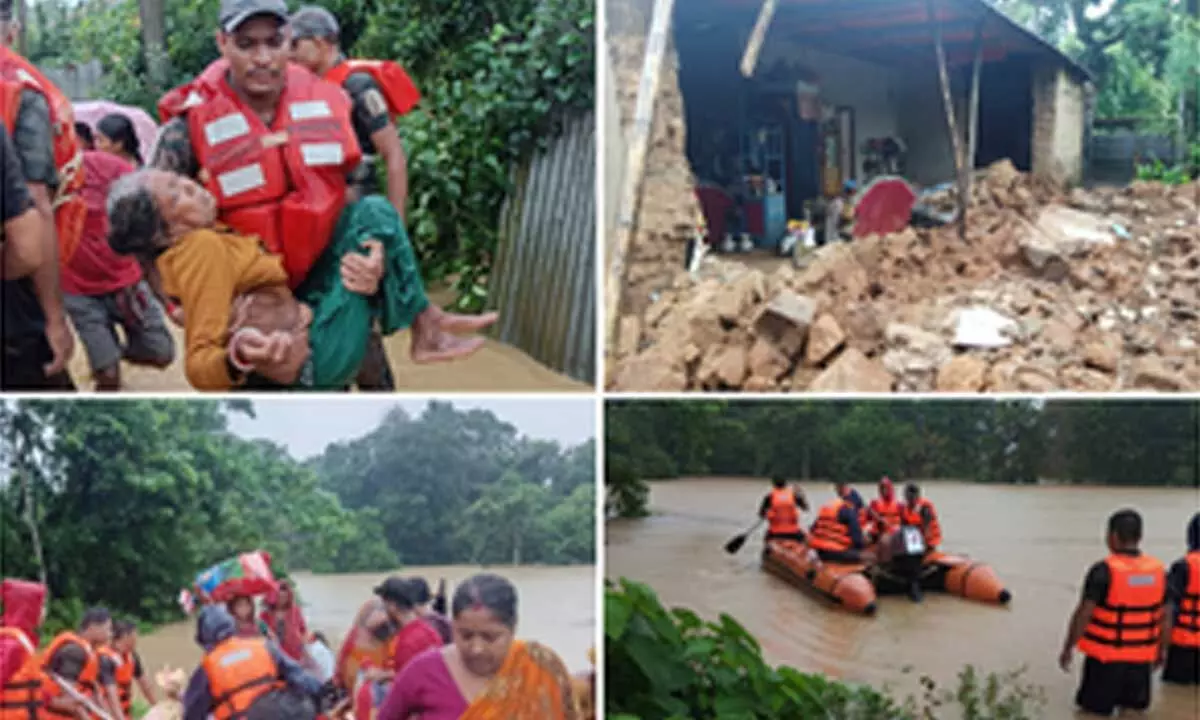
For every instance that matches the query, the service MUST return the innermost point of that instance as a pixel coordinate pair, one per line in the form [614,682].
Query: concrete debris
[1046,294]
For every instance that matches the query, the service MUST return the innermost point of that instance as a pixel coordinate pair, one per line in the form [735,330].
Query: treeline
[464,486]
[1107,442]
[121,503]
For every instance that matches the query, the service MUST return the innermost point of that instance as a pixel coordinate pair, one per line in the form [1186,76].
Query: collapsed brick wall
[667,206]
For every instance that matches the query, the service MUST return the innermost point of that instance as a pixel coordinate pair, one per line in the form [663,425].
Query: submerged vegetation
[671,664]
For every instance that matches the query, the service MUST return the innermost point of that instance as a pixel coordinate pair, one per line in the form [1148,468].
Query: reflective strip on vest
[226,128]
[322,154]
[1126,626]
[244,179]
[309,110]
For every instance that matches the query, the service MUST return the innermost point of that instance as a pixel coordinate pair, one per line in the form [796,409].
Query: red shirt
[414,639]
[95,269]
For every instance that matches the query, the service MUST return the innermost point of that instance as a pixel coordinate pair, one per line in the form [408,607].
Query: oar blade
[736,543]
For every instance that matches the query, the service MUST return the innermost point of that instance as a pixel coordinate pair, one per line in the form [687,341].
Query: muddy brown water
[556,606]
[1039,540]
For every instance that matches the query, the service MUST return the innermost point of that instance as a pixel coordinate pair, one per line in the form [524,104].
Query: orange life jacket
[829,533]
[286,183]
[20,697]
[88,677]
[889,510]
[1126,626]
[1186,630]
[123,678]
[782,516]
[17,75]
[912,516]
[398,88]
[240,671]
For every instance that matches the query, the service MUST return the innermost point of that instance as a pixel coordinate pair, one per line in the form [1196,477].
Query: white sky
[306,425]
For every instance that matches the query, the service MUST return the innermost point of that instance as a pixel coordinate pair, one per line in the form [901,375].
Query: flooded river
[1039,540]
[557,608]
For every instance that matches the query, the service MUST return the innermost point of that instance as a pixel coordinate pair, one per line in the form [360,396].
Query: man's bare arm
[387,142]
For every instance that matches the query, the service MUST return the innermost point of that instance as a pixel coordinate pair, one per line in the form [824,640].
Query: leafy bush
[670,665]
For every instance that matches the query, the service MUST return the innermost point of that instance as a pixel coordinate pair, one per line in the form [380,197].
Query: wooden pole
[973,114]
[154,40]
[948,102]
[22,28]
[758,37]
[643,120]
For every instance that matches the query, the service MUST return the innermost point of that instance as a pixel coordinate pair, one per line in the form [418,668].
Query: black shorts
[21,369]
[1105,687]
[1183,666]
[840,556]
[798,536]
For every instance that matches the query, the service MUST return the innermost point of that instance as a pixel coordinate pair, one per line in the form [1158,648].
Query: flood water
[1039,540]
[556,608]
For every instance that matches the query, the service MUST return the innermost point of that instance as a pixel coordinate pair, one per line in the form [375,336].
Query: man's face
[126,643]
[310,53]
[257,53]
[100,634]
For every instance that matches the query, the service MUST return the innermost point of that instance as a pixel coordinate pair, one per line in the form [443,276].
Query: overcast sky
[306,425]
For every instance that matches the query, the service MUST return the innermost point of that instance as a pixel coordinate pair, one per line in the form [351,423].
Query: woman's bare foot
[435,335]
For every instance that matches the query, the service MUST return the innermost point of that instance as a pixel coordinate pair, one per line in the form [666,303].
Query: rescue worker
[1118,623]
[781,509]
[919,512]
[849,494]
[836,534]
[379,91]
[120,666]
[73,658]
[884,511]
[1182,649]
[233,105]
[23,605]
[245,677]
[37,338]
[21,248]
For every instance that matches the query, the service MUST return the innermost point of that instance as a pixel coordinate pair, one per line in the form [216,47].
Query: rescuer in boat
[243,677]
[849,494]
[1118,623]
[1182,661]
[882,516]
[75,658]
[120,666]
[919,512]
[781,509]
[21,679]
[836,534]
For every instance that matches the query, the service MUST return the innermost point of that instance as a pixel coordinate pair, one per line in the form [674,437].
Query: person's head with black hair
[396,594]
[96,626]
[124,637]
[149,209]
[83,131]
[1193,534]
[1124,530]
[912,493]
[484,611]
[115,134]
[779,482]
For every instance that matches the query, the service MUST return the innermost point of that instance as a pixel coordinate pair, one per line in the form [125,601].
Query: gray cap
[236,12]
[314,22]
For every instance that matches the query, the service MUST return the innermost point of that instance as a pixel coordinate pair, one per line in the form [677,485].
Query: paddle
[738,541]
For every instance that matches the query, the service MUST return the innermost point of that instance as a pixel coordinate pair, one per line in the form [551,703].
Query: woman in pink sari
[283,617]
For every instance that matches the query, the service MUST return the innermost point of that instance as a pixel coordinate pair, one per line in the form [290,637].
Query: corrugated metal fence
[1113,158]
[544,280]
[616,156]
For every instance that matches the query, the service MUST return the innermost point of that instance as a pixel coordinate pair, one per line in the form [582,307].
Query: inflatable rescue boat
[845,585]
[952,574]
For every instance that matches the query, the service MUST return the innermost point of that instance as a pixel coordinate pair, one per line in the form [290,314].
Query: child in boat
[242,321]
[171,706]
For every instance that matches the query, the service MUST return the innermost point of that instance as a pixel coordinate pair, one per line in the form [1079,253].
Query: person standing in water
[781,509]
[1181,656]
[1118,623]
[486,673]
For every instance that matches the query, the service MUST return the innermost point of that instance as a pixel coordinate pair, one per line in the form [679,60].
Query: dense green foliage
[671,664]
[1111,442]
[130,499]
[468,488]
[497,76]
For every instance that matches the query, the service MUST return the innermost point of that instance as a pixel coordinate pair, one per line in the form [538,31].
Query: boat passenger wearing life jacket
[919,512]
[883,513]
[22,609]
[121,666]
[1118,623]
[781,509]
[379,91]
[74,657]
[37,338]
[242,676]
[1182,664]
[836,534]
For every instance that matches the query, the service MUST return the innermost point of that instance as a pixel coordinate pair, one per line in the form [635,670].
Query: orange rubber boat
[843,584]
[952,574]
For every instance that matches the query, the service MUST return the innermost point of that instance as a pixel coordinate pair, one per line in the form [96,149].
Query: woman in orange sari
[486,673]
